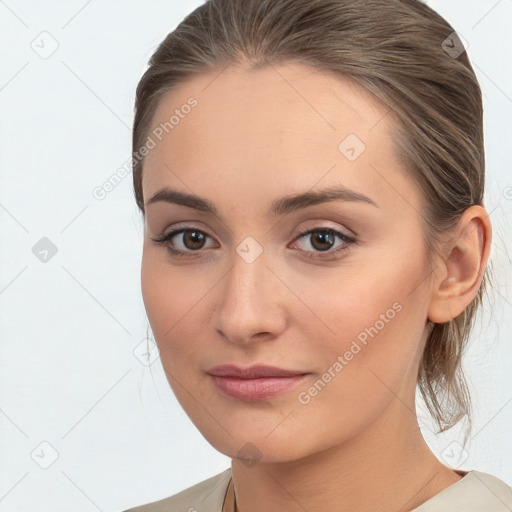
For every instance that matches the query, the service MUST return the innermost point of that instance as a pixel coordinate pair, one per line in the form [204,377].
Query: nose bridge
[249,303]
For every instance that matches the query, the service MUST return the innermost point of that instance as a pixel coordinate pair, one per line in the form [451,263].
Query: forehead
[288,97]
[287,125]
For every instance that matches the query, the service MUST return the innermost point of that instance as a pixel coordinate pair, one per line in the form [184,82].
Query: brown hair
[407,56]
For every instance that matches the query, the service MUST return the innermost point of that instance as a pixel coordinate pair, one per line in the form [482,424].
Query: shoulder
[491,491]
[205,496]
[475,492]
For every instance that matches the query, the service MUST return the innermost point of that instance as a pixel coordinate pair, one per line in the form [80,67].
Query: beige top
[474,492]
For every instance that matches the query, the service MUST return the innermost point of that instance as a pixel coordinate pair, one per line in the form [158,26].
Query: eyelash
[348,241]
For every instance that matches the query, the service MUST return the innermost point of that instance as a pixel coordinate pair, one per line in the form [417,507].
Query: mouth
[255,383]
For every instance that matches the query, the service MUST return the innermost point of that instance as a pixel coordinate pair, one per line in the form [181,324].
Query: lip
[255,383]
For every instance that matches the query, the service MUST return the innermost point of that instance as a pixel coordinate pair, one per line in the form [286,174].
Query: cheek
[374,319]
[165,297]
[173,300]
[169,305]
[348,303]
[158,303]
[369,360]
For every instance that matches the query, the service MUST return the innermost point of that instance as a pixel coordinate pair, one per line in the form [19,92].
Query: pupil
[324,238]
[195,238]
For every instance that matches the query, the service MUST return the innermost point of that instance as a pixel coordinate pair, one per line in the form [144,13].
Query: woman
[311,174]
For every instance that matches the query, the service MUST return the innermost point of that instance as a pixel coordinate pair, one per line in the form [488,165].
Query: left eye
[323,240]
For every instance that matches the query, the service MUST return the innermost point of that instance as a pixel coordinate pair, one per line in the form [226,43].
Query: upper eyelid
[326,225]
[302,231]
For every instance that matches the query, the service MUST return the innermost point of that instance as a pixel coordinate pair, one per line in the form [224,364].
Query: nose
[251,304]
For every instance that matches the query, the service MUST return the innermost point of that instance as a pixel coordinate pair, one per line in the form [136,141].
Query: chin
[252,444]
[257,450]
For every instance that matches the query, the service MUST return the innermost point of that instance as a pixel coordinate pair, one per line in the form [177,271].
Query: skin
[256,136]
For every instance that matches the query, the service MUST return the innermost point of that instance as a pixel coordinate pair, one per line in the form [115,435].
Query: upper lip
[252,372]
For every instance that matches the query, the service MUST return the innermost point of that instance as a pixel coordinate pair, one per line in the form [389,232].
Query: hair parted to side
[393,48]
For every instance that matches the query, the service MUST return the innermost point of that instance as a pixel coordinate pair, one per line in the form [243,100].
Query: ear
[461,265]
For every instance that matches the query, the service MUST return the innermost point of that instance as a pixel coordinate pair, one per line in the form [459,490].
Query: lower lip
[254,390]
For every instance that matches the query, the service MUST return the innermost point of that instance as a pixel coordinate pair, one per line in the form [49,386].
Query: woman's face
[334,291]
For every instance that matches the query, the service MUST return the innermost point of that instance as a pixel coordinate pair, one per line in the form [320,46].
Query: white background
[69,327]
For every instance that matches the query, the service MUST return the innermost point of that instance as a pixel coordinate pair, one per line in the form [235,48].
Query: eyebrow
[280,206]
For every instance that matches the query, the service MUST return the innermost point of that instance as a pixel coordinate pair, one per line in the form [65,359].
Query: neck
[387,467]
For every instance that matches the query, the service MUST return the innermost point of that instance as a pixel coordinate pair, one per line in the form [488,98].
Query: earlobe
[461,270]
